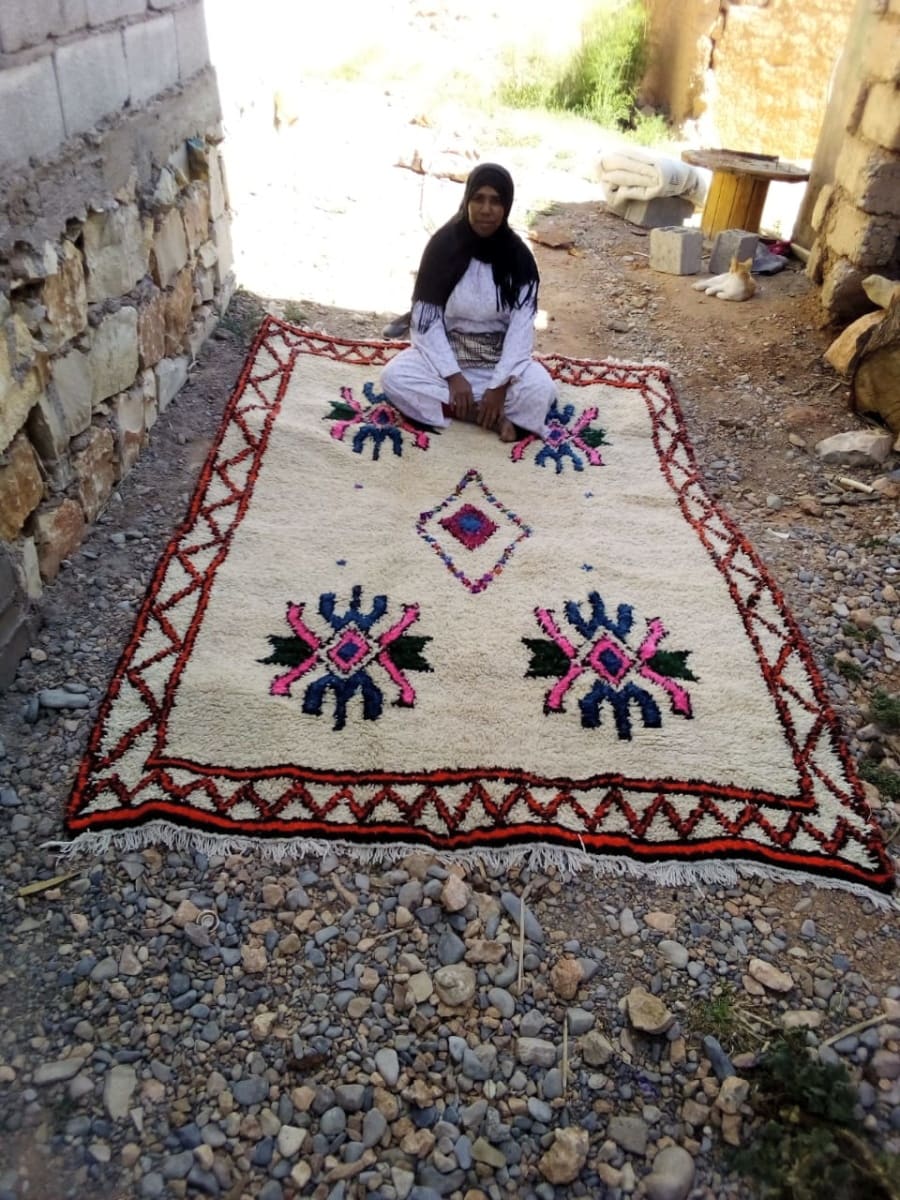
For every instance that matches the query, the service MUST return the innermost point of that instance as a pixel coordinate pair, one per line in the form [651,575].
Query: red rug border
[375,352]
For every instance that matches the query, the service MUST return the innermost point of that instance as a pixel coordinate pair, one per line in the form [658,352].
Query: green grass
[859,635]
[808,1143]
[851,671]
[886,780]
[722,1016]
[884,710]
[599,80]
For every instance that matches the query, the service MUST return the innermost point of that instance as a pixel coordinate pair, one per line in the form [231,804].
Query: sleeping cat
[735,284]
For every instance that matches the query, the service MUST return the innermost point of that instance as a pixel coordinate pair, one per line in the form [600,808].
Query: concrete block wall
[856,218]
[69,63]
[114,261]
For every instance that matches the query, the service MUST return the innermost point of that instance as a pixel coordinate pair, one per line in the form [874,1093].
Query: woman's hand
[461,402]
[490,411]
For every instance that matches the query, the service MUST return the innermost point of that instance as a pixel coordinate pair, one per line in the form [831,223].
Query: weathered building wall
[115,256]
[754,75]
[856,171]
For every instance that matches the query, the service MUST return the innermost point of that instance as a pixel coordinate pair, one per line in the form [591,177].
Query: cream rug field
[379,637]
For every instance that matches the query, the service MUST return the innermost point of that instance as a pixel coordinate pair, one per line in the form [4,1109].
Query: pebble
[280,1048]
[672,1176]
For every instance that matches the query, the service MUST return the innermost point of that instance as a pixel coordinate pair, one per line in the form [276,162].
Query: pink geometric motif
[470,526]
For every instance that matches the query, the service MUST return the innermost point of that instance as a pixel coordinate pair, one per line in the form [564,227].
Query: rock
[290,1140]
[802,1018]
[118,1088]
[845,350]
[672,1176]
[663,922]
[732,1094]
[254,959]
[628,926]
[513,906]
[769,976]
[563,1161]
[455,984]
[455,894]
[674,953]
[647,1013]
[881,290]
[629,1132]
[580,1021]
[388,1066]
[886,1064]
[57,1072]
[552,232]
[483,951]
[811,505]
[596,1050]
[858,448]
[566,976]
[60,698]
[252,1090]
[721,1063]
[535,1052]
[484,1152]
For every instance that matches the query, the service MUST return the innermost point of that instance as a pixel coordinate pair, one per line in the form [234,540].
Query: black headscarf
[454,245]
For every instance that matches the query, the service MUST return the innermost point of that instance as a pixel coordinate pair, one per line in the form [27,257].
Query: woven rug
[378,637]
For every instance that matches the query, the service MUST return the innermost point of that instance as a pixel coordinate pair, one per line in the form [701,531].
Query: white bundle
[633,175]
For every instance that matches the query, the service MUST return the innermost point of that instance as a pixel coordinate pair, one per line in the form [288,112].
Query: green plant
[294,313]
[849,669]
[810,1144]
[649,131]
[885,711]
[599,80]
[886,780]
[859,635]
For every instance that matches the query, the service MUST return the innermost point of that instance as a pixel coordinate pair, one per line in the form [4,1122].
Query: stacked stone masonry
[857,217]
[115,261]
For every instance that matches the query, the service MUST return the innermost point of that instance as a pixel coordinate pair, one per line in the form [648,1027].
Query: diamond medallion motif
[473,533]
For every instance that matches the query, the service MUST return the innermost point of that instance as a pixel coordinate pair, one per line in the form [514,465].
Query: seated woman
[472,325]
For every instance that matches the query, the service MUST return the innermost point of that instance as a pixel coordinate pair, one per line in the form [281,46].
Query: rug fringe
[567,863]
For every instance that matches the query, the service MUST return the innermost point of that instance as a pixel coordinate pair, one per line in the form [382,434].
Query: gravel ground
[176,1025]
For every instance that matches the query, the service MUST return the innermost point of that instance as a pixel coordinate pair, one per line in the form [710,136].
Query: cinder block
[727,244]
[32,122]
[676,250]
[193,47]
[93,80]
[23,25]
[151,52]
[17,622]
[100,12]
[658,212]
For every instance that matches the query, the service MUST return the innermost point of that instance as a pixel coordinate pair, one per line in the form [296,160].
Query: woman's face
[485,211]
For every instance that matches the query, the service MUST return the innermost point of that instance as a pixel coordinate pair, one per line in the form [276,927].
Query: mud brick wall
[752,75]
[115,258]
[856,212]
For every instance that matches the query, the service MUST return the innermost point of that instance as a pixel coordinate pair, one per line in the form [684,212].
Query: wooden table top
[736,162]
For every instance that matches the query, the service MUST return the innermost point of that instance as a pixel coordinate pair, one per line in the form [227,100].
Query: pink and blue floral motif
[346,653]
[376,422]
[601,652]
[568,439]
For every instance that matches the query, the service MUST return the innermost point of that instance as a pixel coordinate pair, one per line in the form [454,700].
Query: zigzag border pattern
[126,777]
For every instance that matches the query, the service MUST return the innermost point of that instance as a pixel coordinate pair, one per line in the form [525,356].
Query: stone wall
[753,75]
[115,257]
[855,183]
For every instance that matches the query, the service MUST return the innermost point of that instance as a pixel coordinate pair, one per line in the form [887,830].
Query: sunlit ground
[353,79]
